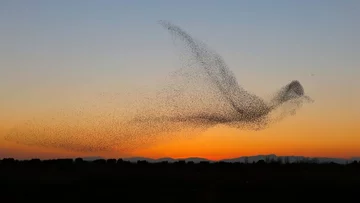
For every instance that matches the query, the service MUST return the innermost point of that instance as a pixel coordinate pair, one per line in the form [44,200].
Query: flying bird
[237,104]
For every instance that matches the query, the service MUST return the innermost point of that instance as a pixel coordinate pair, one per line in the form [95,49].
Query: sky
[61,54]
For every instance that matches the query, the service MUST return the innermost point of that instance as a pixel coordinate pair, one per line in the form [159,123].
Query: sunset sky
[56,56]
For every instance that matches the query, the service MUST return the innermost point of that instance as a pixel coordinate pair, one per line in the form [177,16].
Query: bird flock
[202,94]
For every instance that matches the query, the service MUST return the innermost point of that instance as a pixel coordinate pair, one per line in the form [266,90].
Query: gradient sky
[58,54]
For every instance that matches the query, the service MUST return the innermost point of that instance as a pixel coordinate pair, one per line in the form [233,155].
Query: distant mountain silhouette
[355,159]
[92,158]
[196,159]
[135,159]
[290,159]
[242,159]
[250,159]
[168,159]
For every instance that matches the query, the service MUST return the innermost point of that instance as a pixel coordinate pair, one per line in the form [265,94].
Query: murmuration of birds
[202,94]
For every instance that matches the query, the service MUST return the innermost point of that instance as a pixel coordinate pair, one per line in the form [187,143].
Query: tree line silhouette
[181,180]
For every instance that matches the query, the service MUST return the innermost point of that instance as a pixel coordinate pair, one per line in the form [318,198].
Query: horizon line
[189,157]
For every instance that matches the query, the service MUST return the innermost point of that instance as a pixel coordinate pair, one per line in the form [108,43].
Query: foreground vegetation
[176,182]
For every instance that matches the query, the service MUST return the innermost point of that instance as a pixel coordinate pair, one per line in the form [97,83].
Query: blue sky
[58,47]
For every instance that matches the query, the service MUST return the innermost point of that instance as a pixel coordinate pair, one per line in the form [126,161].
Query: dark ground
[121,181]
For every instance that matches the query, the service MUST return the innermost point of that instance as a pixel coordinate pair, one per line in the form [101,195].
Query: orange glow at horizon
[311,132]
[215,144]
[229,143]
